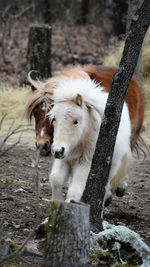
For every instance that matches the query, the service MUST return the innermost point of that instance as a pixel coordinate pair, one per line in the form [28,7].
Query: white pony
[79,105]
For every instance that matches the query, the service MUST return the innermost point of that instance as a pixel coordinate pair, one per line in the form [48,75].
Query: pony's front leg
[57,178]
[79,179]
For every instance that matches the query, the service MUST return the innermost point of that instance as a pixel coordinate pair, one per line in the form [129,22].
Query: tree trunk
[67,242]
[98,177]
[39,51]
[47,14]
[119,9]
[132,8]
[84,10]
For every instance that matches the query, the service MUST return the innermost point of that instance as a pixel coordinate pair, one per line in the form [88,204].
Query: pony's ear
[78,100]
[33,88]
[32,82]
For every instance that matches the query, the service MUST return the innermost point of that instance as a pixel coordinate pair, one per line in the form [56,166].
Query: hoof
[77,202]
[120,192]
[108,201]
[41,229]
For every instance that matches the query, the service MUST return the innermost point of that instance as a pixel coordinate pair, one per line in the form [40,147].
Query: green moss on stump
[52,226]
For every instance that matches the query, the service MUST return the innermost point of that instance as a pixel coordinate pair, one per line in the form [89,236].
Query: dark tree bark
[84,9]
[119,9]
[47,14]
[98,177]
[67,242]
[132,7]
[39,51]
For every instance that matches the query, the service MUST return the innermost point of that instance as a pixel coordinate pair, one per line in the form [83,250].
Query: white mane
[92,92]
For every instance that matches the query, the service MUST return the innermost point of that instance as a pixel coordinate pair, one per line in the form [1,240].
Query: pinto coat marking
[43,92]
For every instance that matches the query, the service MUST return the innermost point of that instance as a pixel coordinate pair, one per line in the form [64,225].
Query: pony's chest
[75,154]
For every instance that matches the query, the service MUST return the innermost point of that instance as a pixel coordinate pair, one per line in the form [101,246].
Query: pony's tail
[141,146]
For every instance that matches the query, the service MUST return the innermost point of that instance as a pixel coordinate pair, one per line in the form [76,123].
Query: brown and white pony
[41,98]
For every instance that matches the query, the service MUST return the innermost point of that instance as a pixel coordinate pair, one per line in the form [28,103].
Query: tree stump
[39,51]
[67,242]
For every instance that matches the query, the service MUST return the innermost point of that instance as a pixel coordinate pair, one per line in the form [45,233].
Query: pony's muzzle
[58,153]
[44,147]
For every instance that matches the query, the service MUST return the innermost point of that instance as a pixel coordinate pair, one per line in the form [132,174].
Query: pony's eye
[75,122]
[52,121]
[35,115]
[43,106]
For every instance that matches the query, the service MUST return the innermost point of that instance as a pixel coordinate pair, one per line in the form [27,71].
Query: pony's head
[71,116]
[44,130]
[69,121]
[39,103]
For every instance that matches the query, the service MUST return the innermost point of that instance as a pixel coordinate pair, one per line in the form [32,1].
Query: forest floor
[20,210]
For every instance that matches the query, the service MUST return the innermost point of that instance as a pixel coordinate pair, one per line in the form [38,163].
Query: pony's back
[134,97]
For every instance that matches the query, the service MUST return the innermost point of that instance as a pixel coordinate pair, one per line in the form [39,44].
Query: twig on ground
[17,254]
[9,148]
[2,119]
[19,129]
[35,162]
[37,178]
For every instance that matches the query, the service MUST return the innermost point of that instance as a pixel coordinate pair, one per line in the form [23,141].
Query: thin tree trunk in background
[47,15]
[84,9]
[39,51]
[98,177]
[68,232]
[132,8]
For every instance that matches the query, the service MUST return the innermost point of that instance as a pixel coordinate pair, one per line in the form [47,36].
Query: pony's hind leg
[108,195]
[57,178]
[120,180]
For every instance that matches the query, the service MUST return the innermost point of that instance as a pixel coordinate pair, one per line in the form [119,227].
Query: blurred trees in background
[132,7]
[108,14]
[99,19]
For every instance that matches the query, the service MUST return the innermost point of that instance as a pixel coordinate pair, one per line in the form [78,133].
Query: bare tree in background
[132,8]
[47,13]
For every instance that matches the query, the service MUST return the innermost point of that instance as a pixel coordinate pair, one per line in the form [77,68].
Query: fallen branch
[2,119]
[19,129]
[17,255]
[35,162]
[9,148]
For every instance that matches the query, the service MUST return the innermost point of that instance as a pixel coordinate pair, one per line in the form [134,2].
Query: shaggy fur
[43,92]
[76,118]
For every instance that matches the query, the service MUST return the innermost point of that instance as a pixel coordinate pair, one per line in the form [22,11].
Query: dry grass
[12,100]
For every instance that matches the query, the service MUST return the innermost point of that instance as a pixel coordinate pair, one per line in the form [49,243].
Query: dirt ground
[20,211]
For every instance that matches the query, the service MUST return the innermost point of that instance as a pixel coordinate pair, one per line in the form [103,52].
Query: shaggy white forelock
[69,88]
